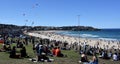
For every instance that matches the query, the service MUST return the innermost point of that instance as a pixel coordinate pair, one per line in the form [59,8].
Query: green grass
[72,58]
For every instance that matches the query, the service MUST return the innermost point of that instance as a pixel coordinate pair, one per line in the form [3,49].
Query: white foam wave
[88,35]
[73,34]
[107,38]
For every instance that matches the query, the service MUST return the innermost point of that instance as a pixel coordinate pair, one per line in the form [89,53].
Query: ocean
[105,34]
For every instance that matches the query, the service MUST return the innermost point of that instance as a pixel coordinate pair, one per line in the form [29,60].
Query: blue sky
[96,13]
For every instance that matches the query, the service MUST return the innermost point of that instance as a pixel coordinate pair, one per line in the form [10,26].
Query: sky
[95,13]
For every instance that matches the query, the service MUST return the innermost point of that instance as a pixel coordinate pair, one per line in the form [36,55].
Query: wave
[84,35]
[107,38]
[104,35]
[75,35]
[89,35]
[63,32]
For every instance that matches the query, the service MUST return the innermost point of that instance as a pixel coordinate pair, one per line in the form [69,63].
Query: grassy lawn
[72,58]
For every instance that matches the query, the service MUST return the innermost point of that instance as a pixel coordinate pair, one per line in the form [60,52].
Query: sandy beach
[105,44]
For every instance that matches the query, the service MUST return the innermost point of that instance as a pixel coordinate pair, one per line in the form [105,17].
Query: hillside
[9,28]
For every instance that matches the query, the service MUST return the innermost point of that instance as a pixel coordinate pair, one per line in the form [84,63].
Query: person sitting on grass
[110,54]
[4,48]
[58,52]
[40,51]
[53,50]
[104,55]
[84,58]
[42,55]
[13,52]
[115,57]
[8,48]
[23,52]
[94,59]
[118,55]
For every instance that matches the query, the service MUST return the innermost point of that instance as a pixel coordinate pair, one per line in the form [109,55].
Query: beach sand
[105,44]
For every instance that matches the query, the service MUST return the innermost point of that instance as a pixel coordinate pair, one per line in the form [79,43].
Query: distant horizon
[95,13]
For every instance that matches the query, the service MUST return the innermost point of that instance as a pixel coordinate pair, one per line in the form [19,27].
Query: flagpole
[79,27]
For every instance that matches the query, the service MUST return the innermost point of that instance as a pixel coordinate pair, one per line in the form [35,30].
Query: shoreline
[52,35]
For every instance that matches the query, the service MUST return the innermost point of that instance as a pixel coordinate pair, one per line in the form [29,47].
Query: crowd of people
[97,53]
[7,46]
[43,48]
[85,60]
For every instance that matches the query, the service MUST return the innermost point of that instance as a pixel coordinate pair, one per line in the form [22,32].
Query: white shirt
[114,57]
